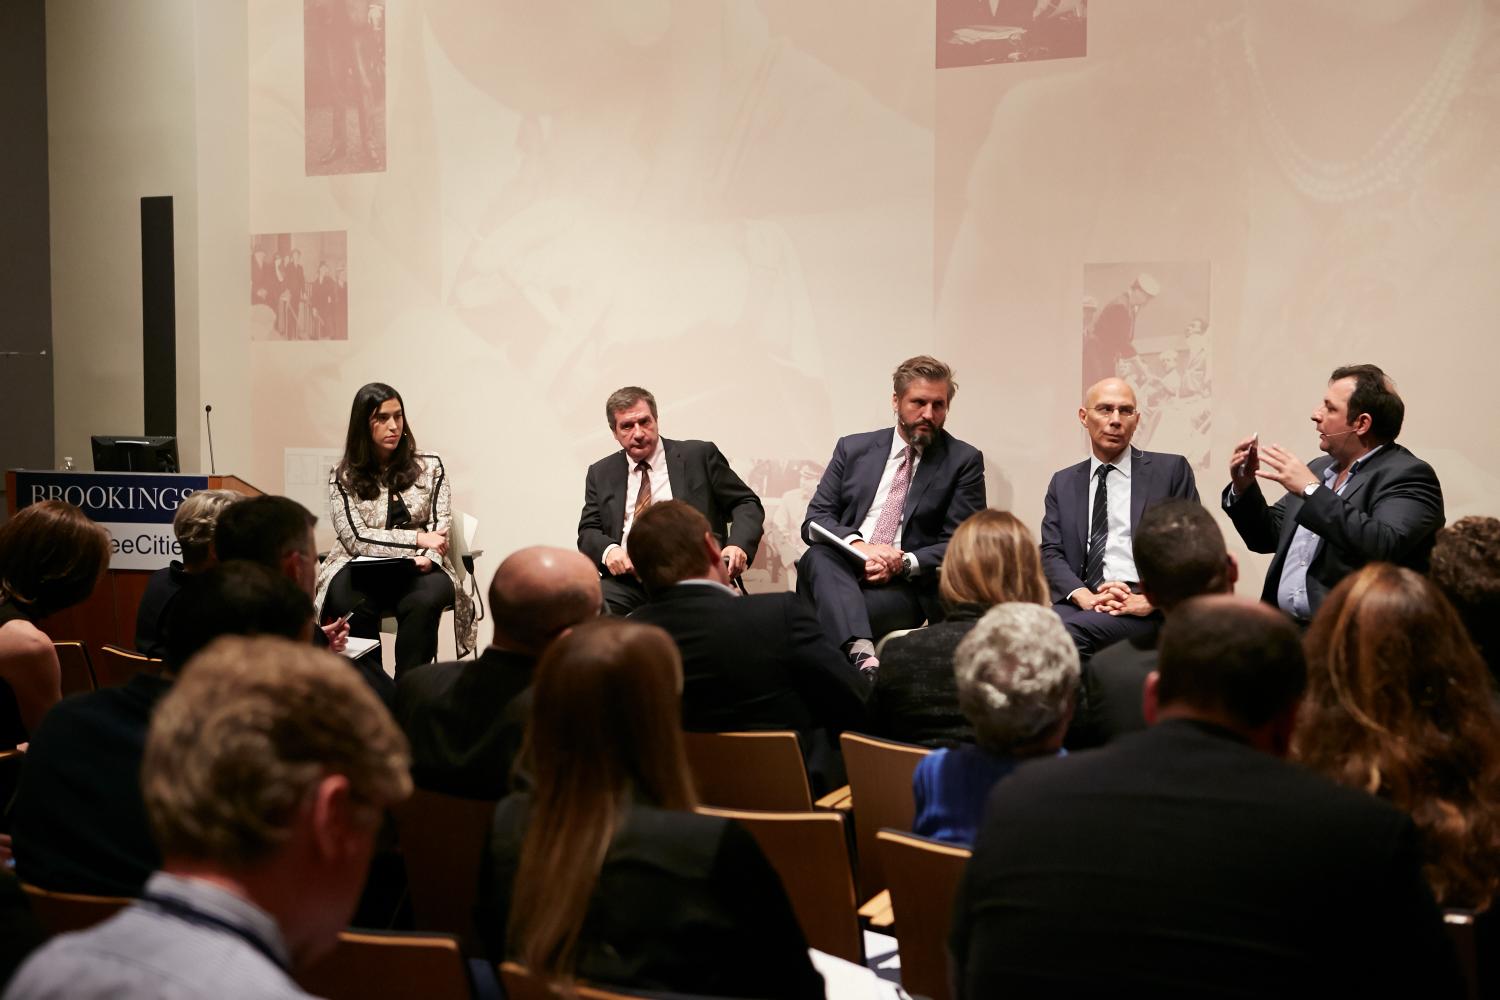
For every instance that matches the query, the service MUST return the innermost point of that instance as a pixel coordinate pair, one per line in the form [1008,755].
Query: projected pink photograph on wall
[343,71]
[1148,323]
[981,32]
[786,487]
[299,286]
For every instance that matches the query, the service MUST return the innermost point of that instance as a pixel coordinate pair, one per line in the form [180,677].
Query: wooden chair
[811,854]
[442,839]
[61,912]
[924,876]
[389,964]
[880,780]
[749,770]
[77,668]
[116,665]
[520,984]
[1460,927]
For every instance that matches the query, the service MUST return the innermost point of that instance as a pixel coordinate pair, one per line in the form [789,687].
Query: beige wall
[757,208]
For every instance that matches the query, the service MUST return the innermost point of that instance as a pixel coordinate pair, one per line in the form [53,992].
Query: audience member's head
[1232,662]
[1466,568]
[992,559]
[538,593]
[276,532]
[605,731]
[194,524]
[1017,673]
[1399,704]
[1179,553]
[238,597]
[270,766]
[671,542]
[51,556]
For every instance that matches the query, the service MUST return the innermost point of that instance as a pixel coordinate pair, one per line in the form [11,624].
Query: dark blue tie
[1093,573]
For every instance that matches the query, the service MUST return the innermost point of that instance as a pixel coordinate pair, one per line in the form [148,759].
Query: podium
[137,508]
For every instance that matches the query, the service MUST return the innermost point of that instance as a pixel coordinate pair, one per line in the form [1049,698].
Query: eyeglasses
[1108,410]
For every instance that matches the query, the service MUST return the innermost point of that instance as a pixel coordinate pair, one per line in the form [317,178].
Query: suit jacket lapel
[616,483]
[865,476]
[927,471]
[677,473]
[1357,482]
[1140,486]
[1080,490]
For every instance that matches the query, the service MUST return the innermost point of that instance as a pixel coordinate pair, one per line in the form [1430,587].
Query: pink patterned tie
[895,504]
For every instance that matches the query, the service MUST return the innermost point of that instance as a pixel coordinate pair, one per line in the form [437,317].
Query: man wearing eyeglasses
[1092,509]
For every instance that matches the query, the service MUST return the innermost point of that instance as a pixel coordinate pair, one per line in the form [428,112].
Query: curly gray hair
[1017,673]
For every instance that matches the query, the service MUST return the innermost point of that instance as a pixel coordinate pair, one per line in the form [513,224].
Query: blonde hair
[248,730]
[194,522]
[992,559]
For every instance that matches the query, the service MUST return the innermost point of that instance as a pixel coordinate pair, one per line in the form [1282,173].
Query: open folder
[838,543]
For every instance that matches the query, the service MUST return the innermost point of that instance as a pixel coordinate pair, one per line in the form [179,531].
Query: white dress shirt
[661,488]
[883,490]
[1119,556]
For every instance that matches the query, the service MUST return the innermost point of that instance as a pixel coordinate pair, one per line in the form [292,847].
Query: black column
[158,316]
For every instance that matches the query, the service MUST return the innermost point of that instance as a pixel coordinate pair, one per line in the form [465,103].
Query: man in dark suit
[896,495]
[754,662]
[1092,511]
[651,468]
[465,719]
[1189,860]
[1180,553]
[1367,500]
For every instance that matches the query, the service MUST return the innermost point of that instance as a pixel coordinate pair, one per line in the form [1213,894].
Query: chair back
[810,852]
[1460,927]
[442,839]
[116,665]
[880,782]
[389,964]
[77,669]
[61,912]
[924,876]
[749,770]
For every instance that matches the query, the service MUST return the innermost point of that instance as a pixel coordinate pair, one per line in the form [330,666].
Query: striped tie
[1093,574]
[643,498]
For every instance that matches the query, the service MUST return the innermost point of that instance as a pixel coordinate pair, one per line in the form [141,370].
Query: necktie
[643,498]
[895,504]
[1098,531]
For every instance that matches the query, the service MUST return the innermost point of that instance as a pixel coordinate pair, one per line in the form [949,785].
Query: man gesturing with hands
[1366,499]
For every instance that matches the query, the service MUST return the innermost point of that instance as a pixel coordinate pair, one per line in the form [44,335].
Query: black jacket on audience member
[465,721]
[1181,861]
[1113,683]
[79,821]
[761,662]
[915,699]
[684,902]
[151,618]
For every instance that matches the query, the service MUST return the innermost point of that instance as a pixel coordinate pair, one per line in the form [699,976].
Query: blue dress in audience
[951,786]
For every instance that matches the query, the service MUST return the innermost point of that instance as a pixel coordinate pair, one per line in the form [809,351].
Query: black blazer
[1154,476]
[761,662]
[699,475]
[684,902]
[948,487]
[1390,512]
[1180,861]
[464,721]
[915,698]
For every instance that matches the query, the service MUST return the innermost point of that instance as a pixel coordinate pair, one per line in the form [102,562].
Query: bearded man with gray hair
[1018,675]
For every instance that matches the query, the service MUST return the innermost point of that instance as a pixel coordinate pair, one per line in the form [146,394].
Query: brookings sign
[135,507]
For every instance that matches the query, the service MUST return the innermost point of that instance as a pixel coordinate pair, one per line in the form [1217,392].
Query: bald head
[1110,416]
[539,592]
[1232,658]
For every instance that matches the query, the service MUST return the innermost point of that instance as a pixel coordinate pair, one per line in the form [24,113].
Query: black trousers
[416,599]
[848,608]
[622,594]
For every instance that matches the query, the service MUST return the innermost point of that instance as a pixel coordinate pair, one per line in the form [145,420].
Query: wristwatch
[908,564]
[1310,489]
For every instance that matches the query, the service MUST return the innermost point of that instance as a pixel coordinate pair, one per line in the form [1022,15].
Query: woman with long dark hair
[602,871]
[1398,703]
[388,499]
[51,557]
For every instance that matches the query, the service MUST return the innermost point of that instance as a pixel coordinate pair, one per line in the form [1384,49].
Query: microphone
[207,409]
